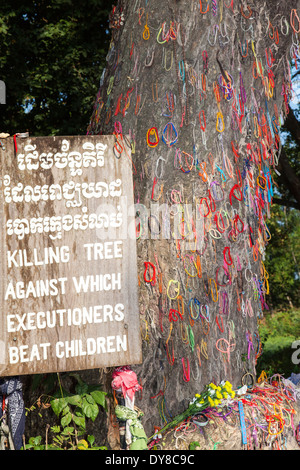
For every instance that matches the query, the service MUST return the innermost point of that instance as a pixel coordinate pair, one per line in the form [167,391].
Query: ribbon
[12,390]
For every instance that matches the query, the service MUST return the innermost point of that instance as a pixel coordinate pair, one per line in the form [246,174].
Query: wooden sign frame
[69,289]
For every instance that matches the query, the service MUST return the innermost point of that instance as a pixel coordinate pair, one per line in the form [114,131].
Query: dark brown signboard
[68,289]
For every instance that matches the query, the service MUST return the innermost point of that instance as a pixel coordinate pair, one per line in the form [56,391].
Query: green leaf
[91,439]
[58,404]
[81,389]
[59,440]
[82,445]
[90,399]
[79,421]
[27,447]
[66,419]
[99,398]
[75,400]
[90,410]
[55,429]
[69,430]
[35,441]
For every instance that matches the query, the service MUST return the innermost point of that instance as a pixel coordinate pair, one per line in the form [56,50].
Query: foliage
[51,58]
[280,326]
[277,332]
[195,445]
[283,323]
[283,250]
[72,411]
[283,257]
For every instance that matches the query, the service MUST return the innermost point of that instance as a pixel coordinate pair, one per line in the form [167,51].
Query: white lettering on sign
[67,349]
[25,354]
[40,288]
[50,255]
[107,250]
[91,155]
[65,317]
[100,345]
[98,283]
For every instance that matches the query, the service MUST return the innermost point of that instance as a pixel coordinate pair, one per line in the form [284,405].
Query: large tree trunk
[200,89]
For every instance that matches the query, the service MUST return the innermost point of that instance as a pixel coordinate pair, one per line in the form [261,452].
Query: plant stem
[59,383]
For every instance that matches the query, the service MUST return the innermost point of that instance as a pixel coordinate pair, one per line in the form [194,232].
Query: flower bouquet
[211,396]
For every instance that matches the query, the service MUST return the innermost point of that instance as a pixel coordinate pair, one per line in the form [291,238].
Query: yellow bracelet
[178,289]
[216,290]
[159,33]
[220,116]
[146,33]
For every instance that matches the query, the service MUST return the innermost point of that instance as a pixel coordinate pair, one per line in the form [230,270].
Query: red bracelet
[151,132]
[173,315]
[235,187]
[235,151]
[153,278]
[235,223]
[186,370]
[226,252]
[216,219]
[221,328]
[153,186]
[208,208]
[203,126]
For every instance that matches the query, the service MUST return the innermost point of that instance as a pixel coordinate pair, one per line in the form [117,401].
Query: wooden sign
[68,290]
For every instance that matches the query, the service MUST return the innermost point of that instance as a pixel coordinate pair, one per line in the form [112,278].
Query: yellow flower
[217,402]
[197,395]
[225,394]
[211,402]
[232,394]
[218,395]
[213,386]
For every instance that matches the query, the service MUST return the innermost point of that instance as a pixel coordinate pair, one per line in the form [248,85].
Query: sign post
[68,289]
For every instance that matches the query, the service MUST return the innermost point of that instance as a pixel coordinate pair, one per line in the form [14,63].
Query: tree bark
[199,89]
